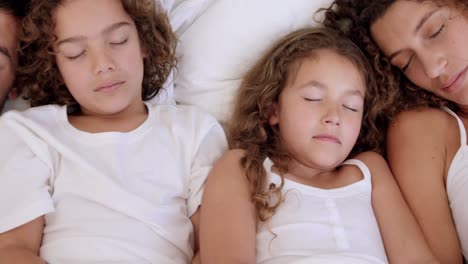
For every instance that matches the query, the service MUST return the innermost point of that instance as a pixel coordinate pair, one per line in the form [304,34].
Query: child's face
[99,55]
[319,113]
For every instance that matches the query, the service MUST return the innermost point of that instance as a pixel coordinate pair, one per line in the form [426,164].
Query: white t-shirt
[108,197]
[314,225]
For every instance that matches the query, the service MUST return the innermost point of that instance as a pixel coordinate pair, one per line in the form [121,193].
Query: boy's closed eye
[119,42]
[71,52]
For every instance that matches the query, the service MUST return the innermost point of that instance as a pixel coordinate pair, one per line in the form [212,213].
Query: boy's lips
[108,86]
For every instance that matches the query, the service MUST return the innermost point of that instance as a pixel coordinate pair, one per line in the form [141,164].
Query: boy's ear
[274,120]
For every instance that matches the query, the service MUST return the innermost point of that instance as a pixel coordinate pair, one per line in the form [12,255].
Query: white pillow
[181,13]
[224,41]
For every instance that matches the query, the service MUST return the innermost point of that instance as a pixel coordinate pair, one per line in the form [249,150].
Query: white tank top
[313,222]
[457,187]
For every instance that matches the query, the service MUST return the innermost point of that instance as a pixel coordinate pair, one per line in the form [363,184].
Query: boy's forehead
[87,17]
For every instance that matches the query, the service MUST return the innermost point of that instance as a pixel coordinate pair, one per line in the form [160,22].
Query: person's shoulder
[373,160]
[231,160]
[229,166]
[423,125]
[233,156]
[34,113]
[370,157]
[422,118]
[378,167]
[183,112]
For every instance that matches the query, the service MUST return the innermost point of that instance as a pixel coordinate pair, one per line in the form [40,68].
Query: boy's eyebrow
[105,31]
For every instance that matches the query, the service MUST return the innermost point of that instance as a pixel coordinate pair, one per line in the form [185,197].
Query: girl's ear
[144,51]
[274,120]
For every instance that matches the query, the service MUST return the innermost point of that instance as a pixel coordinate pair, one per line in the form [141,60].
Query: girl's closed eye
[312,99]
[353,103]
[351,108]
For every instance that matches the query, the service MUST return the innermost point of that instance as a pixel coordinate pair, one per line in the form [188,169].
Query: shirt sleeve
[24,176]
[211,146]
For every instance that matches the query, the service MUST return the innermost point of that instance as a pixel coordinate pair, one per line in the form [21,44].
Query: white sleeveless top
[457,187]
[318,224]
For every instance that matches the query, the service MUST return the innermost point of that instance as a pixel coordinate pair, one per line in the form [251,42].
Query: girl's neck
[322,178]
[124,121]
[303,174]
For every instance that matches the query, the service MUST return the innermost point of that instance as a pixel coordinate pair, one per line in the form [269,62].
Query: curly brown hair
[354,19]
[39,75]
[249,128]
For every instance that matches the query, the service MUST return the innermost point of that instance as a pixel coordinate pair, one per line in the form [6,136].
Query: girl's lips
[327,138]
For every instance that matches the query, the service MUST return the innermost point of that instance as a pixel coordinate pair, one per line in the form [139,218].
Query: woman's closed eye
[438,32]
[432,36]
[404,68]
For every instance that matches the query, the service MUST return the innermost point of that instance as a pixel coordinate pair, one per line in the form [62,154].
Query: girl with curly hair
[300,182]
[95,173]
[419,51]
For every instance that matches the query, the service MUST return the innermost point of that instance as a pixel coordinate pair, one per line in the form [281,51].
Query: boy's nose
[103,62]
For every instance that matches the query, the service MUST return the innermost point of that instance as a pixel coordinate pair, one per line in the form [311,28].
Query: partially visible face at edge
[429,43]
[8,53]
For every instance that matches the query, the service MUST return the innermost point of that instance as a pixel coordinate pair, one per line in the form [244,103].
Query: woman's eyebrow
[416,30]
[424,20]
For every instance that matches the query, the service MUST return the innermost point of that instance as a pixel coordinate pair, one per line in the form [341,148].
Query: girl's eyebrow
[103,32]
[322,86]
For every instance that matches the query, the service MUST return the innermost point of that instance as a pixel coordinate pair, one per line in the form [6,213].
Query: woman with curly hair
[299,183]
[420,52]
[95,173]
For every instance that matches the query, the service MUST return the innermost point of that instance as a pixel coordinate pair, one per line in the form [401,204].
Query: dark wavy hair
[15,7]
[354,19]
[39,75]
[249,128]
